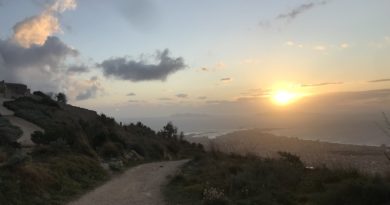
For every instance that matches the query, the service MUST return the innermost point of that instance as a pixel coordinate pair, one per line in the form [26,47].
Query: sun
[284,97]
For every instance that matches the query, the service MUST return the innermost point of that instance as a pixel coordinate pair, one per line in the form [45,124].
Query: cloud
[290,15]
[293,44]
[322,84]
[89,88]
[379,80]
[265,24]
[320,48]
[202,97]
[131,94]
[78,69]
[182,95]
[165,99]
[387,39]
[133,101]
[290,43]
[226,79]
[217,101]
[39,63]
[89,93]
[344,45]
[36,29]
[295,12]
[220,65]
[32,55]
[136,71]
[61,6]
[257,92]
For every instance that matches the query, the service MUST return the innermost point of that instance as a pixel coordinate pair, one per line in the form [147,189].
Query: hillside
[78,150]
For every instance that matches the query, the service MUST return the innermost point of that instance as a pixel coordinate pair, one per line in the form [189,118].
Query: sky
[149,58]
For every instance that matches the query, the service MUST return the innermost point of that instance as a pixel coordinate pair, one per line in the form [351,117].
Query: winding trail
[27,127]
[140,185]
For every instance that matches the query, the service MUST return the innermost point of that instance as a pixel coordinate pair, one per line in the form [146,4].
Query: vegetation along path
[137,186]
[27,127]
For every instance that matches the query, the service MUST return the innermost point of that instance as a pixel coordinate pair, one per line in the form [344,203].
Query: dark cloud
[226,79]
[292,14]
[136,71]
[202,97]
[256,92]
[78,69]
[248,99]
[38,65]
[88,93]
[131,94]
[182,95]
[322,84]
[94,78]
[379,80]
[51,54]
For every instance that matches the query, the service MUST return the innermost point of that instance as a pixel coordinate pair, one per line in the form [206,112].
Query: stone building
[13,90]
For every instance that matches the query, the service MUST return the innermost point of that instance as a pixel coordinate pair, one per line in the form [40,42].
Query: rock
[116,165]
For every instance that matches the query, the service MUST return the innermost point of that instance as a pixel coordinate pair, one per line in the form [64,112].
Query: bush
[8,132]
[109,150]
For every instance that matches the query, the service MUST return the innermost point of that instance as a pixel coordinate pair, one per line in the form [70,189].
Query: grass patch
[51,181]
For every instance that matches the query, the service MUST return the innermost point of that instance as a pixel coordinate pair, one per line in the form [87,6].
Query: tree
[169,131]
[386,130]
[61,97]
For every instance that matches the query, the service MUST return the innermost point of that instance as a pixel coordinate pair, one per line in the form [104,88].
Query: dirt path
[140,185]
[27,127]
[3,110]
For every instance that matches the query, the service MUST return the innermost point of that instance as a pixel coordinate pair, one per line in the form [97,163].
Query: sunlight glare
[283,97]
